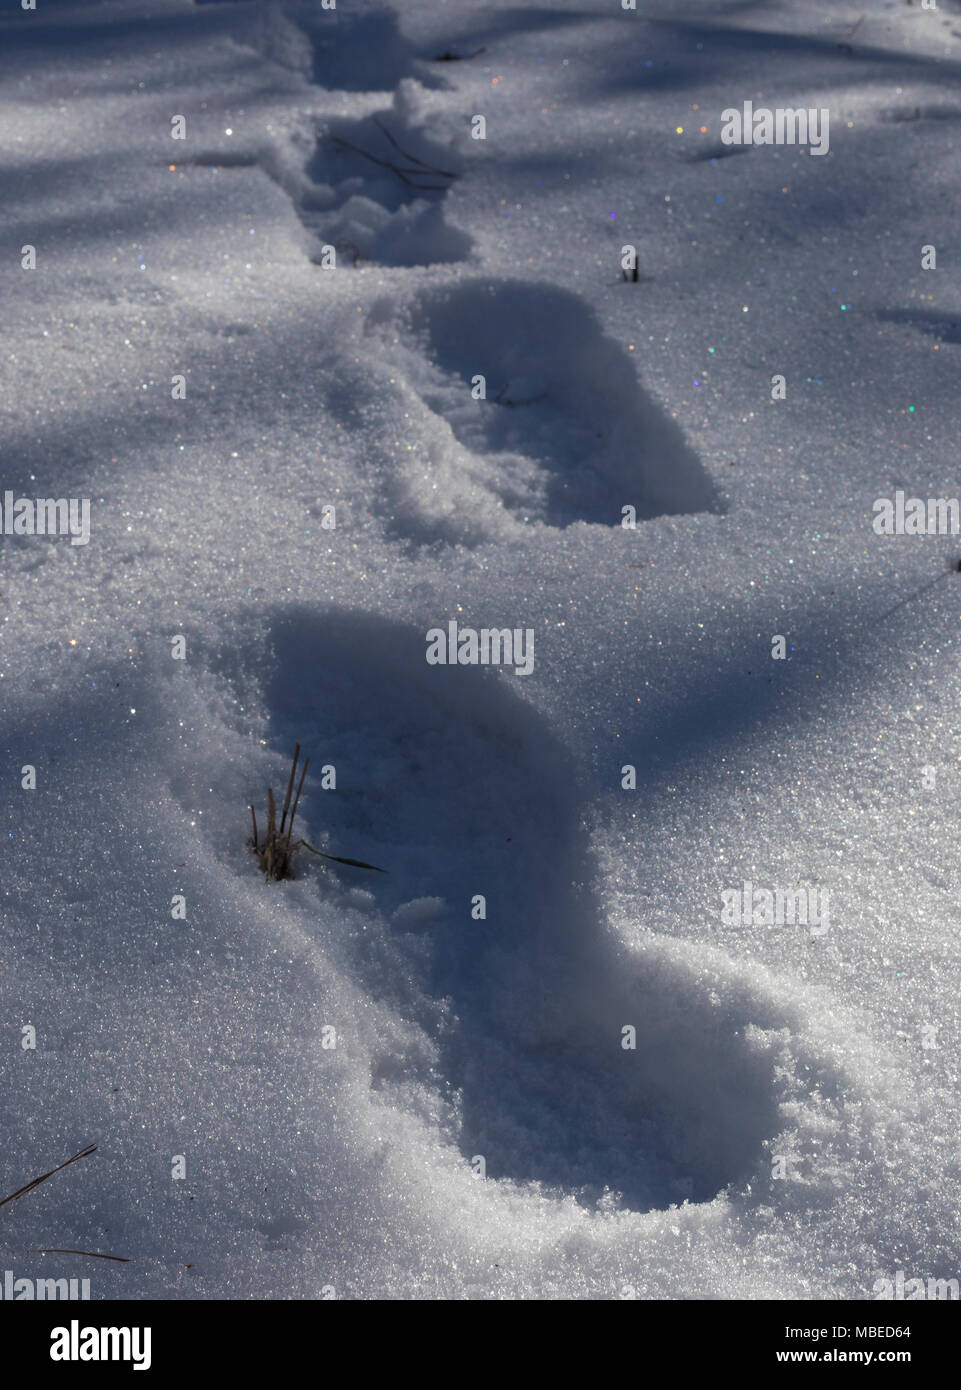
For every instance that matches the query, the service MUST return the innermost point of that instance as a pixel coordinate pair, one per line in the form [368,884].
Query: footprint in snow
[459,788]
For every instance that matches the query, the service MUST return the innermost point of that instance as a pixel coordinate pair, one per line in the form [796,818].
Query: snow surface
[349,1169]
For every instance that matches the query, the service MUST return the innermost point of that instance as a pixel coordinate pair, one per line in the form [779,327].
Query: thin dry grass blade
[430,168]
[120,1259]
[290,786]
[355,863]
[300,788]
[396,169]
[384,163]
[84,1153]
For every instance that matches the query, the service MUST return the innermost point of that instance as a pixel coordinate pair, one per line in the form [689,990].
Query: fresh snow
[786,1125]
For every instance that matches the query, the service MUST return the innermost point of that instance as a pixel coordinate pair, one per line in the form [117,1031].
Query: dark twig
[422,169]
[84,1153]
[384,164]
[300,788]
[120,1259]
[290,787]
[430,168]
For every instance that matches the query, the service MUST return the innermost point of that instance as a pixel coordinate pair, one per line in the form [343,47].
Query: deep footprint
[576,436]
[458,788]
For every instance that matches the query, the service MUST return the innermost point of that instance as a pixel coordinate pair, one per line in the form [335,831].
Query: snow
[353,1168]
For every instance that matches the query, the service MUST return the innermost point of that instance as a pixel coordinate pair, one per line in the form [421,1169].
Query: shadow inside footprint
[559,394]
[454,784]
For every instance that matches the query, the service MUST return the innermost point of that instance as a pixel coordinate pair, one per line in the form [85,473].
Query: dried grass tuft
[278,849]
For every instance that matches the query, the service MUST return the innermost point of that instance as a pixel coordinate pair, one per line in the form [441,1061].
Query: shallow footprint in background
[575,436]
[378,187]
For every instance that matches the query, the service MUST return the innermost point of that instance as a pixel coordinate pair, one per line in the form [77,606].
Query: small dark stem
[290,787]
[84,1153]
[293,813]
[430,168]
